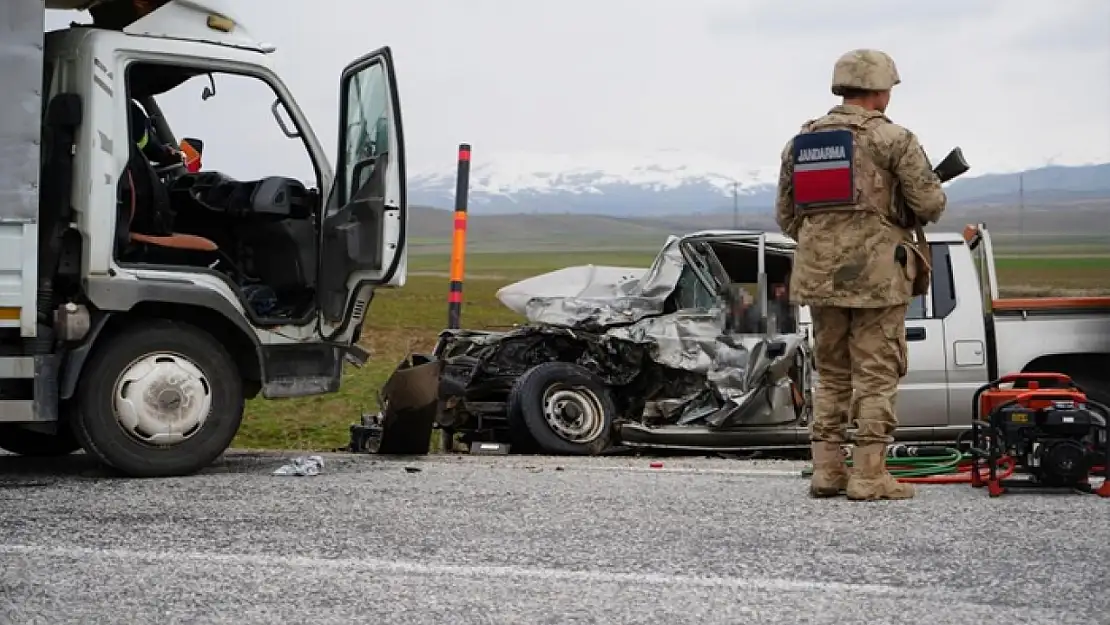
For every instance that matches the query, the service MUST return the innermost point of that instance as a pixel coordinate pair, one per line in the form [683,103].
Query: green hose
[918,467]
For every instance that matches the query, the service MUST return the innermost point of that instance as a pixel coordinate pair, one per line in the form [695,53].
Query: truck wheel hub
[575,414]
[162,399]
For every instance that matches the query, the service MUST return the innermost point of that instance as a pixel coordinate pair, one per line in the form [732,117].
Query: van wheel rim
[574,414]
[162,399]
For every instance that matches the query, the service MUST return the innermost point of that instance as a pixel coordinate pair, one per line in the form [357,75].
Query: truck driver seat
[146,215]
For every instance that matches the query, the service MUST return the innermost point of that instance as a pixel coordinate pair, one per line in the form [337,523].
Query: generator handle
[975,416]
[1050,395]
[1035,377]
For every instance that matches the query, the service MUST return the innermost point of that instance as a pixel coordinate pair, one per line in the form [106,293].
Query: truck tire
[566,409]
[24,442]
[159,399]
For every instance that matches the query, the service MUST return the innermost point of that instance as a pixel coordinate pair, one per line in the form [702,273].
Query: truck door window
[916,309]
[247,209]
[942,290]
[944,284]
[367,145]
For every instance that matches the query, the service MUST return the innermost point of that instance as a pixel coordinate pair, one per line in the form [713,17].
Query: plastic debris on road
[302,466]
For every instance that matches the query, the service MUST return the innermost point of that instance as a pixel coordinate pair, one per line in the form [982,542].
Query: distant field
[408,320]
[524,264]
[1071,275]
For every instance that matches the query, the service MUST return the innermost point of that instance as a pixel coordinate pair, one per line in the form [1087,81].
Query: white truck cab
[144,297]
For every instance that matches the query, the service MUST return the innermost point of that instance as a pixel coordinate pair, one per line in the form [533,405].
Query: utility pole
[735,206]
[1021,207]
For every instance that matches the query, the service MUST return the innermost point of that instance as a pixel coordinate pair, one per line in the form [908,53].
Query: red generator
[1046,427]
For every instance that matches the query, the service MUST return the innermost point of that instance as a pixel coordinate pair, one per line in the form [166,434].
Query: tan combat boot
[870,479]
[830,474]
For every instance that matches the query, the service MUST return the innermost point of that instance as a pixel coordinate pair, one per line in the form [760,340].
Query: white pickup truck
[962,334]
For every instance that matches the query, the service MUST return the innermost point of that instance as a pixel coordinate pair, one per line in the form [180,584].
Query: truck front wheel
[158,399]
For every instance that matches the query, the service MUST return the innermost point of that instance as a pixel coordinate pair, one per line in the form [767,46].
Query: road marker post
[458,242]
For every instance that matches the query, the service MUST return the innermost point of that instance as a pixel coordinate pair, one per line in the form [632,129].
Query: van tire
[533,402]
[165,375]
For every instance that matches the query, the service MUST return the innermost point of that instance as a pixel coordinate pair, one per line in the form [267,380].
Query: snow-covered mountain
[667,183]
[619,184]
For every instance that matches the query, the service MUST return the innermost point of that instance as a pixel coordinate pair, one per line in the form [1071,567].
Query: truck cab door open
[363,231]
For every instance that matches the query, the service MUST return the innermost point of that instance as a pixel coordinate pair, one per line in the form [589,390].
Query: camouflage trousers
[861,350]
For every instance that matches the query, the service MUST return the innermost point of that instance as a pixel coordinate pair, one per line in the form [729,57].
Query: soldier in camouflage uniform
[849,184]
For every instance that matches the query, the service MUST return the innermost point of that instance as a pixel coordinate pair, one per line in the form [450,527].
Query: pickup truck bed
[1066,334]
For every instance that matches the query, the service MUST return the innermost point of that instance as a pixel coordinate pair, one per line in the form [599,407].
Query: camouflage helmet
[869,70]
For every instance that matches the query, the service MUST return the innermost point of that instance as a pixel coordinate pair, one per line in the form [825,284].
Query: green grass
[408,319]
[524,264]
[1070,275]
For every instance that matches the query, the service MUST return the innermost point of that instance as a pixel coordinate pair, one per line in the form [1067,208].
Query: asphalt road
[534,541]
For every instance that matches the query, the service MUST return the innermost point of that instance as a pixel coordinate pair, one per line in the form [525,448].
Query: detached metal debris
[699,351]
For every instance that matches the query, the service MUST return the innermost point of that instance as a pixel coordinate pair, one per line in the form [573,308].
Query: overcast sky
[1017,83]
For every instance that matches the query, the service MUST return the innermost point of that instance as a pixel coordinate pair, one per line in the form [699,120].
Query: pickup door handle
[915,334]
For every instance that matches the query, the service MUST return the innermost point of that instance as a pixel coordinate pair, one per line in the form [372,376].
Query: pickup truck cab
[962,334]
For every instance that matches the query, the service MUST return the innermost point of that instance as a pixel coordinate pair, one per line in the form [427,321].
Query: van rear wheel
[158,399]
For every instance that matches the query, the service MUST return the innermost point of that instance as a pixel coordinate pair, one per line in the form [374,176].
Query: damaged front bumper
[408,408]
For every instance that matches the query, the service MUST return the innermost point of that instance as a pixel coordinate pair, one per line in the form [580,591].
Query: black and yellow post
[458,243]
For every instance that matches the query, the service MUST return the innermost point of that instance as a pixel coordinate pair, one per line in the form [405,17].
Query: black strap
[153,212]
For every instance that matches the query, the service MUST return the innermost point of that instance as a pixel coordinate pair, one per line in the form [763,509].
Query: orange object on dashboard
[190,156]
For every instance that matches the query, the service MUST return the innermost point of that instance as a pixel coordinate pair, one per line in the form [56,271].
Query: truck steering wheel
[165,170]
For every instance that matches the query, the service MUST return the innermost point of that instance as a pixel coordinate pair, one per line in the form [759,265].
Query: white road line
[401,567]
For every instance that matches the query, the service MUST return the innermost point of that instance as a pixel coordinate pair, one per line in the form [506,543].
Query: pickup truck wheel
[567,409]
[24,442]
[157,400]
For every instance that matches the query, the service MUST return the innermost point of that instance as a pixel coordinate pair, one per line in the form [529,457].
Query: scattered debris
[407,404]
[413,469]
[656,465]
[488,449]
[302,466]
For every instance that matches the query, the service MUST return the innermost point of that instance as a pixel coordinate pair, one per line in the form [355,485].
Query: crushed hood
[627,304]
[597,296]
